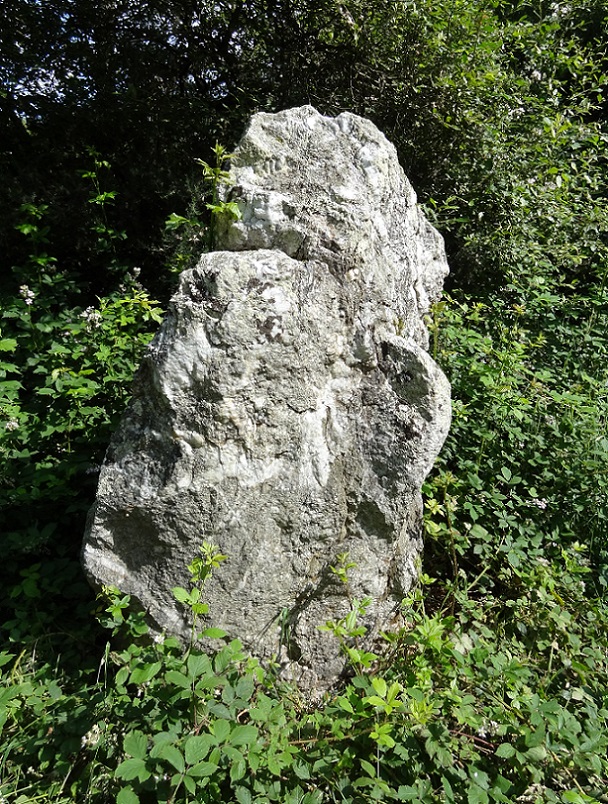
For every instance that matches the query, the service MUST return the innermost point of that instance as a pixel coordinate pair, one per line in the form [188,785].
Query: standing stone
[287,410]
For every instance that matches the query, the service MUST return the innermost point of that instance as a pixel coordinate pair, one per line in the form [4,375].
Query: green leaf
[8,344]
[537,753]
[574,797]
[345,704]
[198,663]
[202,769]
[302,770]
[213,633]
[177,678]
[479,532]
[243,735]
[221,729]
[274,766]
[245,687]
[174,221]
[447,787]
[407,793]
[209,682]
[477,795]
[171,754]
[379,685]
[365,781]
[243,796]
[181,595]
[393,692]
[238,770]
[132,769]
[142,674]
[189,784]
[127,796]
[368,768]
[374,700]
[513,558]
[7,386]
[220,710]
[505,750]
[197,747]
[135,744]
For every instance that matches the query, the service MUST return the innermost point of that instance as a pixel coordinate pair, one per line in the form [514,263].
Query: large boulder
[287,410]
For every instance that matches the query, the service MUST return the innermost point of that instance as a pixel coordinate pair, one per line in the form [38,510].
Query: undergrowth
[478,699]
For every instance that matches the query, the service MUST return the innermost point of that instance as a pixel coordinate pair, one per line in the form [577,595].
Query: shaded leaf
[132,769]
[197,747]
[135,744]
[243,735]
[127,796]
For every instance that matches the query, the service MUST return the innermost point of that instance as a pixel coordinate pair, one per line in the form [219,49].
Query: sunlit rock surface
[287,410]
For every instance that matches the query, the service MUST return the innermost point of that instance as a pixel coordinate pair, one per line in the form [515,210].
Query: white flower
[26,294]
[542,504]
[488,728]
[93,317]
[560,10]
[91,738]
[13,424]
[536,75]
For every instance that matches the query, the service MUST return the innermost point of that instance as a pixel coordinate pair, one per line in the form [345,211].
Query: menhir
[287,410]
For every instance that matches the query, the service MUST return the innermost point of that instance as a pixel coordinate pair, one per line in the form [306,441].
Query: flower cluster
[93,317]
[560,10]
[26,294]
[91,738]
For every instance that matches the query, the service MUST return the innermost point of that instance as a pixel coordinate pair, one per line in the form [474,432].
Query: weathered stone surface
[287,410]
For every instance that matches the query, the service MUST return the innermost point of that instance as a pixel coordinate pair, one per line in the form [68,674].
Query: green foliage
[482,699]
[529,431]
[197,232]
[64,377]
[200,568]
[216,177]
[67,359]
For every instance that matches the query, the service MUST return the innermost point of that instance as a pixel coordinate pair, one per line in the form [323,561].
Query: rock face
[287,410]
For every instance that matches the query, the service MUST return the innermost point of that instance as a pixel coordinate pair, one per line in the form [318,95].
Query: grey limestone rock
[287,410]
